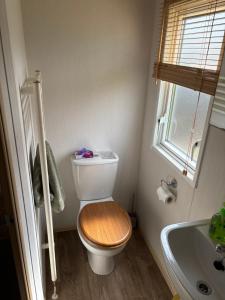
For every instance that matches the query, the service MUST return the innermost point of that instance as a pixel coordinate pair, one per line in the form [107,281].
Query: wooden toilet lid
[105,223]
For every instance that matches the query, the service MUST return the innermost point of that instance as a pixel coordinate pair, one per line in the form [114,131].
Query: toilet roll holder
[171,184]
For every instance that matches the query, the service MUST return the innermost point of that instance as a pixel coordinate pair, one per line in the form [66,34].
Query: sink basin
[189,254]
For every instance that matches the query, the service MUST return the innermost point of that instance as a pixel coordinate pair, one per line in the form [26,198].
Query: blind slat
[188,37]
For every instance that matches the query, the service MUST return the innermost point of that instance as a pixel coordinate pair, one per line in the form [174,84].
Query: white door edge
[12,119]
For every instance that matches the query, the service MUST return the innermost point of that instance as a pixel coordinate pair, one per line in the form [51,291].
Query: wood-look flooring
[135,277]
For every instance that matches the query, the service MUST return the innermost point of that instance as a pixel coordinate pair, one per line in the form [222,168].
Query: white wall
[191,203]
[14,17]
[94,58]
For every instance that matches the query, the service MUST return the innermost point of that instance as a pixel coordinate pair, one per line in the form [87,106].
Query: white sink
[189,255]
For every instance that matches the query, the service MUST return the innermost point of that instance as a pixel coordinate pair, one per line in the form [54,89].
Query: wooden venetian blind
[192,44]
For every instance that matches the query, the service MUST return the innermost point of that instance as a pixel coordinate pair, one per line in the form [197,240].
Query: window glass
[181,114]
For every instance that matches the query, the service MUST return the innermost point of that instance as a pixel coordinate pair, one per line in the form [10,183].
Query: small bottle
[217,227]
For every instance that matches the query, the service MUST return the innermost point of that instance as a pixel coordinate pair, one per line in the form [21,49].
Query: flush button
[107,155]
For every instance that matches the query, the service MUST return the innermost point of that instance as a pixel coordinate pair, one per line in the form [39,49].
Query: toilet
[103,225]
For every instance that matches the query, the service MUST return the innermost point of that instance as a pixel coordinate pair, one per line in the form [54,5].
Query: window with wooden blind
[188,65]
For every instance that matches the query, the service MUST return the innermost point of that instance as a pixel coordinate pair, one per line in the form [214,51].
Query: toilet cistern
[99,214]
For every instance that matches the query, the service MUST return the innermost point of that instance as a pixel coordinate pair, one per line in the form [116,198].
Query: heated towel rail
[33,86]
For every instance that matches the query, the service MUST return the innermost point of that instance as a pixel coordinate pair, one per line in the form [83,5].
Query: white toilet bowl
[100,258]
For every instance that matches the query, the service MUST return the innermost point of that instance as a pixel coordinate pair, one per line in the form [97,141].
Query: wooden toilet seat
[105,223]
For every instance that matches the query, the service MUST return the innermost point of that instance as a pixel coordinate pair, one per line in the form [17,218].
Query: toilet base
[101,265]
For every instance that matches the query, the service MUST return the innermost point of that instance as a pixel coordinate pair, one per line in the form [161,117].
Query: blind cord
[185,171]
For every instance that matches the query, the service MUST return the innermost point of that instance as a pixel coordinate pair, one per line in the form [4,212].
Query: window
[173,130]
[188,66]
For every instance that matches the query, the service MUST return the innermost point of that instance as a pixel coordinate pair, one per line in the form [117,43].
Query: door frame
[11,217]
[18,165]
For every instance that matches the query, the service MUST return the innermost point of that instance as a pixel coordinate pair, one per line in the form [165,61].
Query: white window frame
[169,151]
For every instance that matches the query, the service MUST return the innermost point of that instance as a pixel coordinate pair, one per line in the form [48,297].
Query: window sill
[190,178]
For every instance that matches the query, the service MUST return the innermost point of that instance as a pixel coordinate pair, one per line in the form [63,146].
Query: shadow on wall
[94,59]
[115,101]
[68,216]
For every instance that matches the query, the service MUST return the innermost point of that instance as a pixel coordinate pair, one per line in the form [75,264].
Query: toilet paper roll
[165,195]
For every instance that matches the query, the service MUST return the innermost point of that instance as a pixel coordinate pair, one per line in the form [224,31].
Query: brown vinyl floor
[135,277]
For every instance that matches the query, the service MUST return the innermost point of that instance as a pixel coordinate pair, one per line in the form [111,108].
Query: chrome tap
[220,263]
[220,249]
